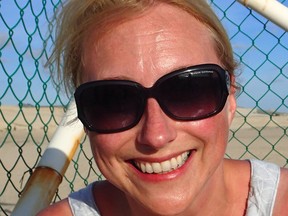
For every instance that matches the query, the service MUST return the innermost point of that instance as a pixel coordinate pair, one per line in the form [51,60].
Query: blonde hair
[77,18]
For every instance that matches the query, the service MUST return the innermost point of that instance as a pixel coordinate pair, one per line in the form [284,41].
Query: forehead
[163,37]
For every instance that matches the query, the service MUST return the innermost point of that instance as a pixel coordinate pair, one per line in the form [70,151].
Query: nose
[157,128]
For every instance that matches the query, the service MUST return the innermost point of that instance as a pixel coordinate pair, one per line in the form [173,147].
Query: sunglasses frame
[152,93]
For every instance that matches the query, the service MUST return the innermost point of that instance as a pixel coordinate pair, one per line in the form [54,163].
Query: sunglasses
[188,94]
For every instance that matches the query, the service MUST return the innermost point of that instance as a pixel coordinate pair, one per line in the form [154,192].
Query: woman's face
[143,50]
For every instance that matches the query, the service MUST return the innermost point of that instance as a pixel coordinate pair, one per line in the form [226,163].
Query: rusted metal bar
[39,191]
[271,9]
[42,185]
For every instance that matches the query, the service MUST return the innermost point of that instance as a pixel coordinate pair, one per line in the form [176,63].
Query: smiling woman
[155,90]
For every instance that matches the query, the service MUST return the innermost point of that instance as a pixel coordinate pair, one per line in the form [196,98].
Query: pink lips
[165,170]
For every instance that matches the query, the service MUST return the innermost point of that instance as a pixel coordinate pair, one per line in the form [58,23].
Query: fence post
[42,185]
[271,9]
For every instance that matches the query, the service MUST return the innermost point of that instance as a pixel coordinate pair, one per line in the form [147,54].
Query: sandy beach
[25,134]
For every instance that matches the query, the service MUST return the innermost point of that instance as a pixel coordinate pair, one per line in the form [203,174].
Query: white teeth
[142,167]
[149,168]
[179,159]
[174,163]
[165,166]
[156,167]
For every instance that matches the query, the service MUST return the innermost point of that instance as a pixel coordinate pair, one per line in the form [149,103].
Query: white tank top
[263,189]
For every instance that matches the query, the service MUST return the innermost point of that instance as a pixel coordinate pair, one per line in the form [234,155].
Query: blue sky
[23,57]
[263,54]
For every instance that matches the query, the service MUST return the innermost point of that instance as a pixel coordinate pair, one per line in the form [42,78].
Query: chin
[169,210]
[166,206]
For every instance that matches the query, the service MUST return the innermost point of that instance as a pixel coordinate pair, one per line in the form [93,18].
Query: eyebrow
[121,77]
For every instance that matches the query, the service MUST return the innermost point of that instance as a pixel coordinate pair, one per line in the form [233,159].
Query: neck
[225,193]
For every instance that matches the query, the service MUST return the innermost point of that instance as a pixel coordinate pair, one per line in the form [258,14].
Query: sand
[25,134]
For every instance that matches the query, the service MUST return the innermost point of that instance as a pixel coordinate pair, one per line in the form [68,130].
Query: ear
[232,105]
[231,100]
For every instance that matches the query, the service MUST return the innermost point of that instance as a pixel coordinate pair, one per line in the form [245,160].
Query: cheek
[212,137]
[211,131]
[109,146]
[103,144]
[108,152]
[217,125]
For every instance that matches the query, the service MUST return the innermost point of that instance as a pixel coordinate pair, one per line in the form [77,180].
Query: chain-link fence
[31,105]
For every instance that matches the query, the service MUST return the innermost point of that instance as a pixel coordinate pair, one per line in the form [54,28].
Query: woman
[155,91]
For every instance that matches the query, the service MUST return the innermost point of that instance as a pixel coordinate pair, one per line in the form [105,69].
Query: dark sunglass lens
[192,95]
[111,108]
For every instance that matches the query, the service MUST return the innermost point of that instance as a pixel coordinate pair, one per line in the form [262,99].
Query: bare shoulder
[60,208]
[283,186]
[238,167]
[281,204]
[237,173]
[284,175]
[107,195]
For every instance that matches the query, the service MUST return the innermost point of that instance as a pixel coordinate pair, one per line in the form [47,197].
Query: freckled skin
[143,50]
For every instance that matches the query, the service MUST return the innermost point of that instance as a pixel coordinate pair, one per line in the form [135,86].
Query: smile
[164,166]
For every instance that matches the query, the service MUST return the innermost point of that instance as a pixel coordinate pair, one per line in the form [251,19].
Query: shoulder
[239,168]
[107,195]
[60,208]
[281,204]
[237,173]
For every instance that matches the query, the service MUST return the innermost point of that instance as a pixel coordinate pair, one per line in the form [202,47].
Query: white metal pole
[42,185]
[271,9]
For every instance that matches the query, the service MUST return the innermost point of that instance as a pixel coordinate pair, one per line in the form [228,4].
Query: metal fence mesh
[31,104]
